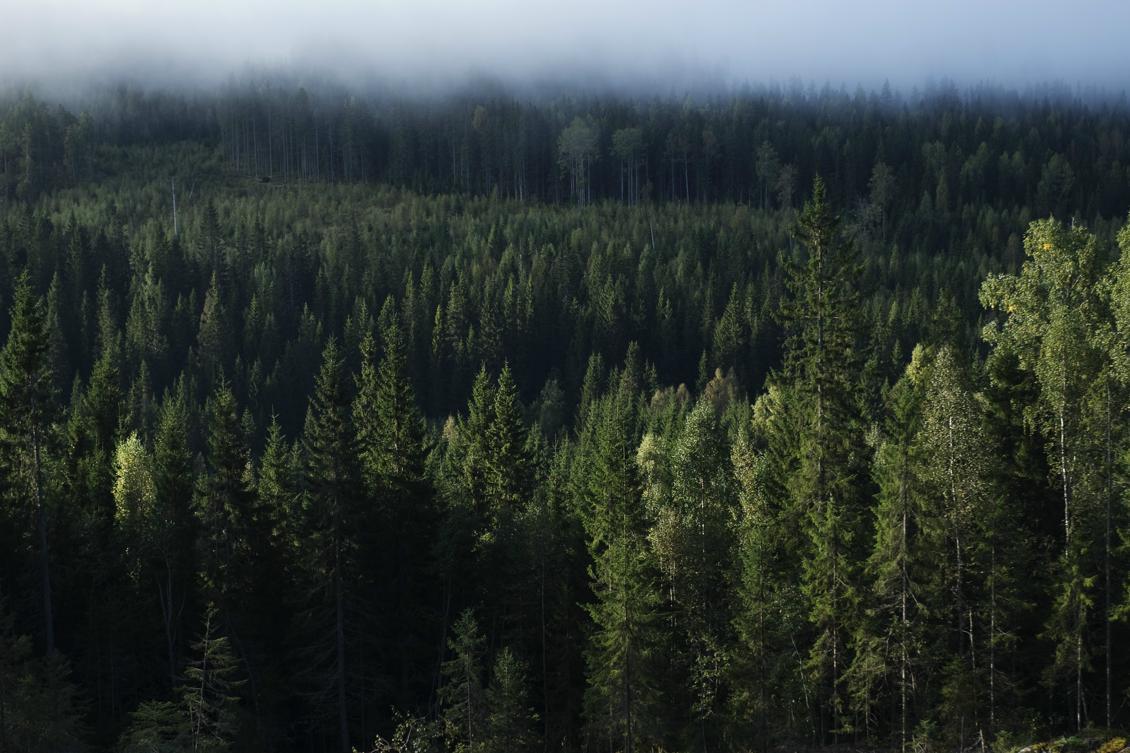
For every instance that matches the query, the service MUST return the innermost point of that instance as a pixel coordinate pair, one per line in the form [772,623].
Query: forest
[772,420]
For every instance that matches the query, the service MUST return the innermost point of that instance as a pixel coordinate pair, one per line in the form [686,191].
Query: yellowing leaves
[134,489]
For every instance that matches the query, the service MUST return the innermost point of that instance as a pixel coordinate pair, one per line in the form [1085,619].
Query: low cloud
[663,45]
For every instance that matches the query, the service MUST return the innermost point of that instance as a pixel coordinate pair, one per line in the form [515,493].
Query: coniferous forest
[773,420]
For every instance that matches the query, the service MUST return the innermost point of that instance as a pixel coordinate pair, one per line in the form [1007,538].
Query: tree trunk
[1107,617]
[339,635]
[44,549]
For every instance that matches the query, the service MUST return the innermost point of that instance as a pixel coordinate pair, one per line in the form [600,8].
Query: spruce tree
[508,465]
[474,434]
[173,525]
[41,709]
[509,718]
[888,643]
[622,693]
[820,356]
[462,706]
[392,443]
[333,513]
[209,695]
[224,503]
[390,429]
[770,610]
[155,727]
[27,415]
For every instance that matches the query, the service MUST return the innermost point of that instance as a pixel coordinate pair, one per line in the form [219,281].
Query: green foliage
[209,693]
[461,694]
[509,718]
[42,709]
[156,727]
[820,353]
[669,449]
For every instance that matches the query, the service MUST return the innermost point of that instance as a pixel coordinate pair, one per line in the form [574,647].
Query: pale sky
[1008,42]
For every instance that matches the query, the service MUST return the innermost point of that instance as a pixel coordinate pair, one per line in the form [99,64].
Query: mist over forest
[513,377]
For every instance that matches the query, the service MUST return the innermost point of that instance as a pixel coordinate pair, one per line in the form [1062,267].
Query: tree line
[945,150]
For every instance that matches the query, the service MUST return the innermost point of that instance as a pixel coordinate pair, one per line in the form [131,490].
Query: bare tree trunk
[993,639]
[1106,556]
[44,549]
[165,596]
[339,599]
[904,661]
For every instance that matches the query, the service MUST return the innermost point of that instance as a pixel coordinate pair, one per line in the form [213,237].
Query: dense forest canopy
[494,424]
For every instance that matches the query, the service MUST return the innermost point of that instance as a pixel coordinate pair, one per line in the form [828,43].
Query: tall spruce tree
[209,696]
[224,504]
[769,680]
[889,642]
[821,359]
[622,694]
[333,513]
[462,706]
[173,525]
[509,718]
[27,415]
[392,445]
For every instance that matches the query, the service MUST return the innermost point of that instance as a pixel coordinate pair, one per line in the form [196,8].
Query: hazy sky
[658,42]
